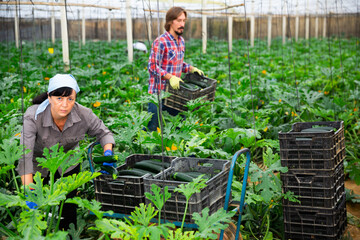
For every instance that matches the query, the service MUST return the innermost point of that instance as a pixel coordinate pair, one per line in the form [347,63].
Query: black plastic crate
[212,196]
[295,139]
[312,149]
[314,231]
[182,96]
[313,178]
[312,198]
[123,193]
[304,236]
[314,215]
[311,159]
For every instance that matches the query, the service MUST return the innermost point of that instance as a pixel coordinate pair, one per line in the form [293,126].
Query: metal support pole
[53,26]
[129,36]
[64,38]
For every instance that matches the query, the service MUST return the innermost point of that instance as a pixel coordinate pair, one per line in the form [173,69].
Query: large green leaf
[32,220]
[93,206]
[12,151]
[209,225]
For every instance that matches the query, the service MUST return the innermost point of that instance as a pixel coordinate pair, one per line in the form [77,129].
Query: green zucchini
[197,82]
[134,172]
[110,170]
[153,161]
[197,174]
[318,129]
[102,159]
[148,166]
[190,86]
[180,176]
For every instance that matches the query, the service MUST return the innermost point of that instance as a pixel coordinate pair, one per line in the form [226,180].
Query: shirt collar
[72,118]
[172,37]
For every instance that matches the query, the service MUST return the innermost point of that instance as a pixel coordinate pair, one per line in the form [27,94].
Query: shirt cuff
[163,73]
[186,68]
[106,140]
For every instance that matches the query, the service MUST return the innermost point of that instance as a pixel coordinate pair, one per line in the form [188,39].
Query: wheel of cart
[243,190]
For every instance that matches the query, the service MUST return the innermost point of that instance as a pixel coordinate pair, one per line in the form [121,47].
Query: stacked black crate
[314,153]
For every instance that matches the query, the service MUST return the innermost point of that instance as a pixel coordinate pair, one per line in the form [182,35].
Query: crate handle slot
[117,183]
[307,216]
[303,139]
[305,178]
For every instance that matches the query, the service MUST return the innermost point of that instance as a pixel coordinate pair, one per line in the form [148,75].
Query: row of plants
[265,92]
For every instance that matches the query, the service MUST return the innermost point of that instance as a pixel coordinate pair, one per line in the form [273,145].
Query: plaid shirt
[168,58]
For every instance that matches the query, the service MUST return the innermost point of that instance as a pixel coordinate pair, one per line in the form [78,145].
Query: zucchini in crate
[197,82]
[134,172]
[188,176]
[190,86]
[148,166]
[197,174]
[102,159]
[157,162]
[180,176]
[109,170]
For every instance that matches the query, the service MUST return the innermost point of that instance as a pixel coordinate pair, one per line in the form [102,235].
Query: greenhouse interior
[166,119]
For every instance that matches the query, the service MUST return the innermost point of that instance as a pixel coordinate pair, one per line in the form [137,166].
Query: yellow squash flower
[97,104]
[51,50]
[173,148]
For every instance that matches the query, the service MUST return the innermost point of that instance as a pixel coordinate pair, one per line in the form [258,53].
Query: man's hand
[175,82]
[196,70]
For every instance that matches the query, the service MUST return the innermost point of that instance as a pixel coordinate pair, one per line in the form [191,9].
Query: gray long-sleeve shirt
[43,132]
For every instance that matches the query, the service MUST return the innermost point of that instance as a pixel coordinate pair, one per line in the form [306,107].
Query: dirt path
[354,209]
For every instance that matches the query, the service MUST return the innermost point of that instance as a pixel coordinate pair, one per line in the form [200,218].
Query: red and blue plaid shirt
[168,58]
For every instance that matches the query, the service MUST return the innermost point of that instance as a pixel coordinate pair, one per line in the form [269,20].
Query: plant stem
[51,221]
[51,183]
[7,231]
[14,177]
[59,217]
[12,217]
[252,233]
[159,217]
[51,191]
[268,226]
[186,207]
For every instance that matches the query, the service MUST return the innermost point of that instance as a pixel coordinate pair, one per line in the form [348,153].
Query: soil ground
[353,209]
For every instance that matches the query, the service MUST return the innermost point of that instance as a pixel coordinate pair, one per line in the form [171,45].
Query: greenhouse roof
[97,9]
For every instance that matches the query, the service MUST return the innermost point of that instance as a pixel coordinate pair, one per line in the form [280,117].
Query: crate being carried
[126,192]
[212,196]
[193,87]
